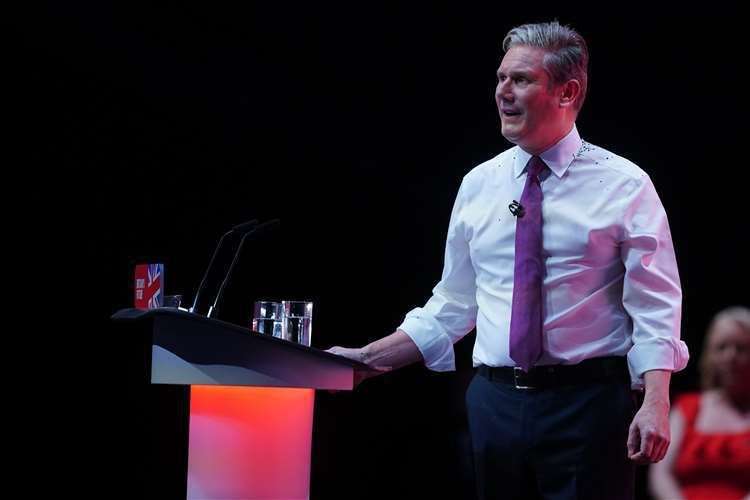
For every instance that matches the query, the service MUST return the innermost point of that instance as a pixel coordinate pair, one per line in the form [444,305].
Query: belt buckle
[518,374]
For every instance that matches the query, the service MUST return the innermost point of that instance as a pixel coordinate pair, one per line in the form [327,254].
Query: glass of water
[172,301]
[267,318]
[297,322]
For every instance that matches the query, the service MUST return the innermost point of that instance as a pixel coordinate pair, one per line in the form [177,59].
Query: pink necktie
[526,312]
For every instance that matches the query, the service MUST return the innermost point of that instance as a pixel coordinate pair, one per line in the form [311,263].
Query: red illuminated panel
[250,442]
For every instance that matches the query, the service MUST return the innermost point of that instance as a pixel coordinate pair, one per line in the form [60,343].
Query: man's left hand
[648,437]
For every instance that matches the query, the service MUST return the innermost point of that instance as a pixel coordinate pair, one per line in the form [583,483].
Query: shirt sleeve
[451,312]
[652,295]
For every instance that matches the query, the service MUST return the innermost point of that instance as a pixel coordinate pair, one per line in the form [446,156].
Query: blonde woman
[709,456]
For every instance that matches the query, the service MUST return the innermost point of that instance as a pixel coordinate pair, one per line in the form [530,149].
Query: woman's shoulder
[689,399]
[689,403]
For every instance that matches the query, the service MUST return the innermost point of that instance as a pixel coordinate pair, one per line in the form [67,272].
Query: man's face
[530,112]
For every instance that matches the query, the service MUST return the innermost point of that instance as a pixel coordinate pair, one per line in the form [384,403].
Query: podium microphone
[243,228]
[257,231]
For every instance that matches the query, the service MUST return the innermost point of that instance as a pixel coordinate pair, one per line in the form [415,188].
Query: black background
[159,127]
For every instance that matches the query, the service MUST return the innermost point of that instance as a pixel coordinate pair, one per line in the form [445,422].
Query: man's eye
[521,79]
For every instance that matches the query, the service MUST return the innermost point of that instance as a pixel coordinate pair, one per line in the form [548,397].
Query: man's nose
[504,90]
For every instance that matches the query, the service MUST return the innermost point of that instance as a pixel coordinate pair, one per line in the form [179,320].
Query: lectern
[231,410]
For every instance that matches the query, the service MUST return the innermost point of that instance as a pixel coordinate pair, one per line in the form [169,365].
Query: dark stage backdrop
[165,125]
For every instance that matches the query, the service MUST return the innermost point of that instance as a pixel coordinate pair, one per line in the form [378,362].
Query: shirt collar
[558,158]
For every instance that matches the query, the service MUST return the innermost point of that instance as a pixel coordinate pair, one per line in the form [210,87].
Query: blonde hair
[741,316]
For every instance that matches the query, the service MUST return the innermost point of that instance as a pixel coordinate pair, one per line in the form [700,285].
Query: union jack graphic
[153,289]
[149,286]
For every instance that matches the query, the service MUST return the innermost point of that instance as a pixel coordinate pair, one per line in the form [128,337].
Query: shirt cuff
[656,354]
[434,344]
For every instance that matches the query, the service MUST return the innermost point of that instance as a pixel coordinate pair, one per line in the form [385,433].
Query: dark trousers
[567,442]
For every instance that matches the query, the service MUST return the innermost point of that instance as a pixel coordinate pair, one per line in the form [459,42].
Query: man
[559,252]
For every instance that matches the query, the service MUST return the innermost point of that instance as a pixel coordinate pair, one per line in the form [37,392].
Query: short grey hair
[567,55]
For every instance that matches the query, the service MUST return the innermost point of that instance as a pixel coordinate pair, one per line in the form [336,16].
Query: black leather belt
[540,377]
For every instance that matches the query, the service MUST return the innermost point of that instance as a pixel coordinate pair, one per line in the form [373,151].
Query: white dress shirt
[611,285]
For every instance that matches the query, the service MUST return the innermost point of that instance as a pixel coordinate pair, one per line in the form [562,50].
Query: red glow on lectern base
[250,442]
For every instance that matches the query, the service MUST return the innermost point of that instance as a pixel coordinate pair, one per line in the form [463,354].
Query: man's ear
[569,93]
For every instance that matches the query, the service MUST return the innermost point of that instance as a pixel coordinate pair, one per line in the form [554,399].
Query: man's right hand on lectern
[357,354]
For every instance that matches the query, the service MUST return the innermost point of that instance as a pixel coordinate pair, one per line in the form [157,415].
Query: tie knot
[535,166]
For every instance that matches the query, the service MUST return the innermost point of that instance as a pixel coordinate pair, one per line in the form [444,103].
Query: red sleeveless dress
[711,466]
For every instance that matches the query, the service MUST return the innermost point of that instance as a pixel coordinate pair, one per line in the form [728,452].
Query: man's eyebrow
[515,73]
